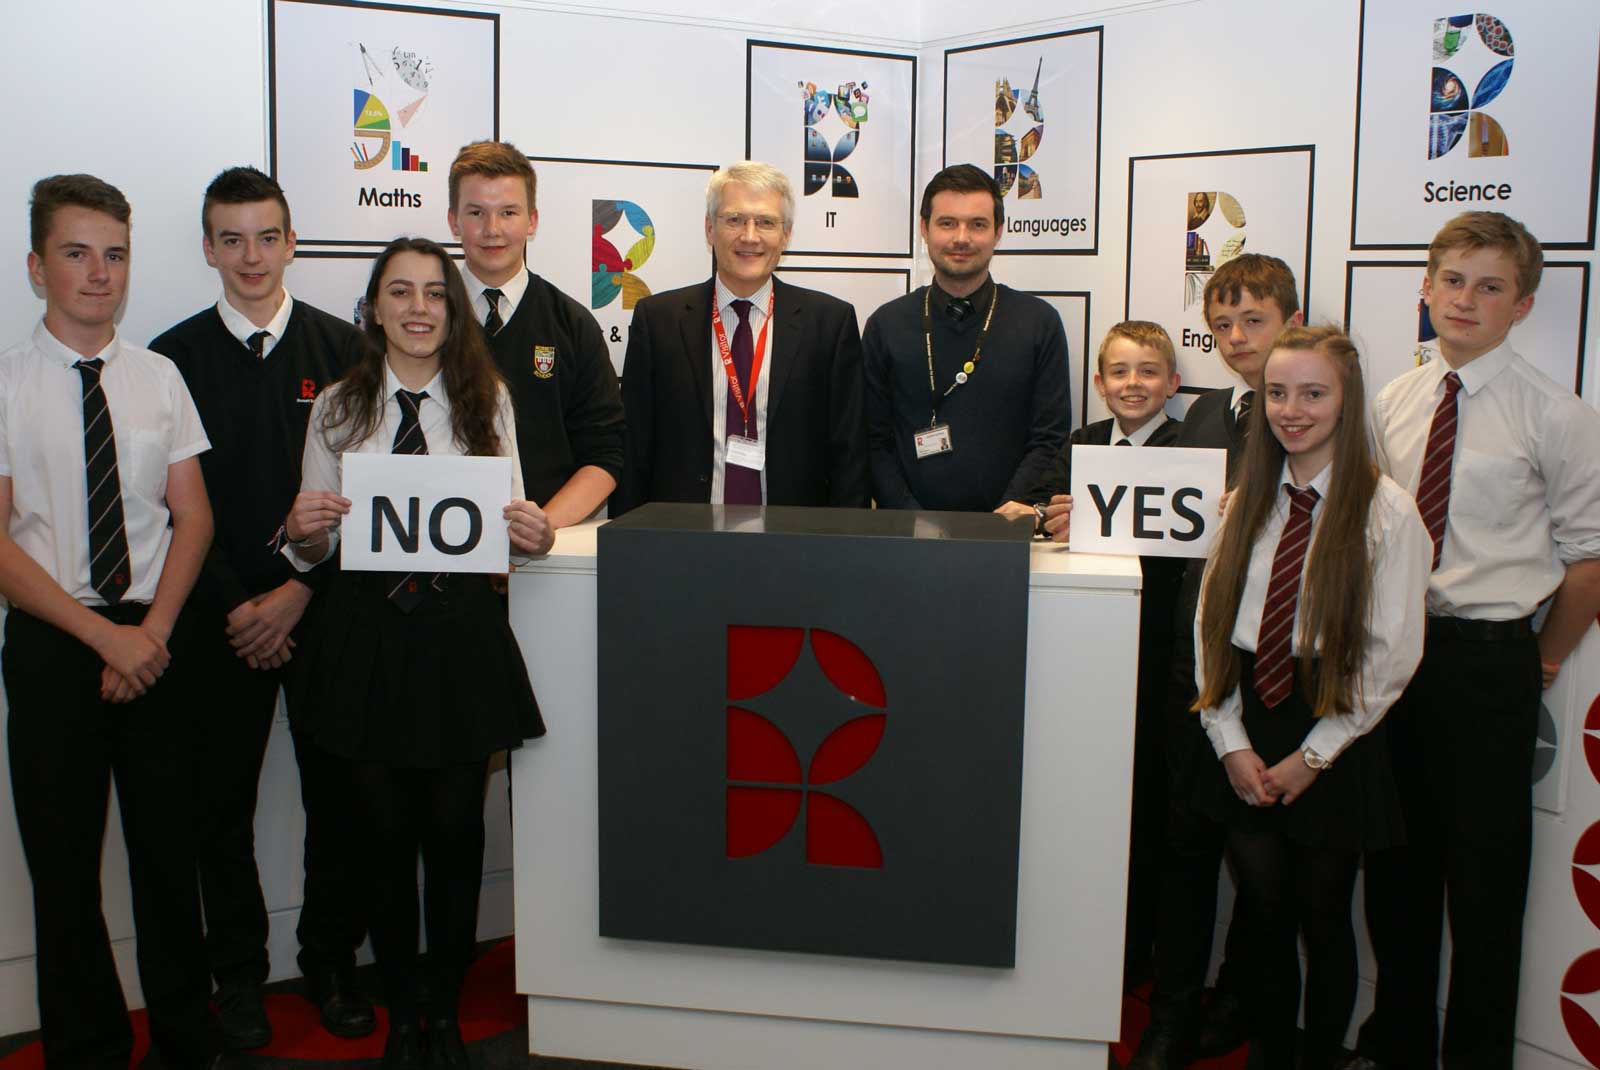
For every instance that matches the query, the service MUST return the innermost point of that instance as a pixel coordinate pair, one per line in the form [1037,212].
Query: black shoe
[346,1011]
[1355,1061]
[403,1049]
[244,1019]
[446,1051]
[1160,1049]
[1222,1025]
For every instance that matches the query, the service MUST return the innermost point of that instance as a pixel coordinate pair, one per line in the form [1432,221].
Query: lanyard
[726,352]
[966,369]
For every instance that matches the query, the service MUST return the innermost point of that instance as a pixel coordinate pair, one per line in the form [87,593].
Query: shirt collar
[55,349]
[434,389]
[1478,372]
[726,297]
[513,288]
[980,298]
[1239,390]
[239,325]
[1319,482]
[1141,436]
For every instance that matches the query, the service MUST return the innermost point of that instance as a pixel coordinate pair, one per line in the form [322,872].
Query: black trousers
[1461,739]
[65,747]
[440,813]
[333,912]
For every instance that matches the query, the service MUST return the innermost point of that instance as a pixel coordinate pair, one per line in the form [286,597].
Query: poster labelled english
[1386,316]
[841,125]
[1028,112]
[612,233]
[866,288]
[1488,107]
[368,105]
[1191,213]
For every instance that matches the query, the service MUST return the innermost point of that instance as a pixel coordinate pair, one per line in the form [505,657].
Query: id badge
[932,441]
[746,452]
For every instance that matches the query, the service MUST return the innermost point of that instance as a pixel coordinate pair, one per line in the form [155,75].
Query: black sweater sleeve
[889,484]
[1052,407]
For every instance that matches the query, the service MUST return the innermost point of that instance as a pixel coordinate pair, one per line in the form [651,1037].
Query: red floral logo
[767,787]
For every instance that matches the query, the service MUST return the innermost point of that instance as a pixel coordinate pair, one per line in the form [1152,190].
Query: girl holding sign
[415,678]
[1310,625]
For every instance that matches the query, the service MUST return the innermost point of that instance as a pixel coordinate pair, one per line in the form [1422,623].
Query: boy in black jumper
[254,362]
[547,345]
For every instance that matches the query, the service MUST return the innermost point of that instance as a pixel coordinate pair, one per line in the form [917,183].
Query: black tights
[440,812]
[1292,889]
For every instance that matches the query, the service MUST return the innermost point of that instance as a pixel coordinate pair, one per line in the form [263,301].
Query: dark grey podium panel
[810,730]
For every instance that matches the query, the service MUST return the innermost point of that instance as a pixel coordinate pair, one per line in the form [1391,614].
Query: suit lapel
[783,343]
[695,327]
[1103,432]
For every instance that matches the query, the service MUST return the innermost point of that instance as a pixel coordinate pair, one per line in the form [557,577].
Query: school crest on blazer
[544,361]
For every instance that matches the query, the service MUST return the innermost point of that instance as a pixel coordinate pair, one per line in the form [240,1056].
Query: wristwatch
[1038,526]
[1314,760]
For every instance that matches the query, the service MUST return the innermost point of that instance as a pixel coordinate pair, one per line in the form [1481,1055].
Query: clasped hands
[1256,784]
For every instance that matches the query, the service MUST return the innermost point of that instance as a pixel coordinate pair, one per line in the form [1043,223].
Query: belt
[1480,631]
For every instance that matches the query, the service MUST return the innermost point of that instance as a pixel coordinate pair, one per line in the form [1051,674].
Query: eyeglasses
[735,222]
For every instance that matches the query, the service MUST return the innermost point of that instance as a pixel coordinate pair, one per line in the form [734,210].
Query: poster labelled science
[611,234]
[1489,108]
[868,289]
[1028,112]
[841,124]
[1386,317]
[368,107]
[1193,212]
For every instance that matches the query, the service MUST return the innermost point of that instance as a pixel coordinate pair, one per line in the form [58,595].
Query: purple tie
[742,486]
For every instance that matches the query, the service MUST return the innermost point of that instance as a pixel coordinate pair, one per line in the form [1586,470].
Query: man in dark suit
[743,390]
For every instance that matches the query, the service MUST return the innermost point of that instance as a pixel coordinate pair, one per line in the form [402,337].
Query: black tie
[258,343]
[1123,442]
[492,322]
[108,537]
[959,308]
[407,592]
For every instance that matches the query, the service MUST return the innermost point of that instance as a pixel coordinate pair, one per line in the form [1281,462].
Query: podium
[776,823]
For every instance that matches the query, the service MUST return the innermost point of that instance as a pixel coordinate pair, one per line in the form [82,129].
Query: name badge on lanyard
[744,450]
[935,438]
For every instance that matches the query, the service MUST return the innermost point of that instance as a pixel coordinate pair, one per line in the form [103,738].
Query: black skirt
[441,685]
[1353,805]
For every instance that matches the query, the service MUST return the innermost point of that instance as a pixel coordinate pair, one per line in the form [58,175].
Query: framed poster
[1384,313]
[1210,207]
[612,232]
[866,288]
[1029,111]
[368,105]
[1073,307]
[842,125]
[1456,112]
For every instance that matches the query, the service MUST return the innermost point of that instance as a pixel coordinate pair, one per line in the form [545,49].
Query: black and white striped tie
[108,534]
[407,592]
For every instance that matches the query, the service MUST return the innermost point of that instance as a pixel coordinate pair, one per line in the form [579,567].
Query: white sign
[1160,502]
[425,513]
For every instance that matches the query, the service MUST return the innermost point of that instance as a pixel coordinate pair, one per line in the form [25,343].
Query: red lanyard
[726,352]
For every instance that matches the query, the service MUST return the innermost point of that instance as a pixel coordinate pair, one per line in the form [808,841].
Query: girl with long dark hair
[1310,625]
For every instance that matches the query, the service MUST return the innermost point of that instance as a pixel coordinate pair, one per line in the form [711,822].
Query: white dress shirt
[1401,554]
[719,381]
[1141,436]
[1524,486]
[154,424]
[511,292]
[240,327]
[323,469]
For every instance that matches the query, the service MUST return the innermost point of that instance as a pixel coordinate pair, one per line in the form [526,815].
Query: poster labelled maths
[865,288]
[1073,307]
[369,104]
[1469,107]
[1028,111]
[1191,213]
[612,233]
[1386,317]
[841,125]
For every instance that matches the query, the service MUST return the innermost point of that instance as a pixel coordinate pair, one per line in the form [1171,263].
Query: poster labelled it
[1028,112]
[1464,108]
[841,125]
[1193,212]
[866,288]
[612,233]
[1158,503]
[1073,307]
[369,104]
[1386,317]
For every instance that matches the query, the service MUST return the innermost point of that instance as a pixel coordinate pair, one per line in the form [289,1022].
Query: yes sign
[1160,501]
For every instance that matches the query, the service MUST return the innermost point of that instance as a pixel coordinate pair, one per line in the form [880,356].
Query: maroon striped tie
[1433,489]
[1274,642]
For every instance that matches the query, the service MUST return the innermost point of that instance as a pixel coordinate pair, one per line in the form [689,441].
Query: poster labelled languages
[369,105]
[1160,503]
[425,513]
[1028,112]
[1386,317]
[1073,307]
[1464,107]
[612,233]
[841,125]
[1191,213]
[865,288]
